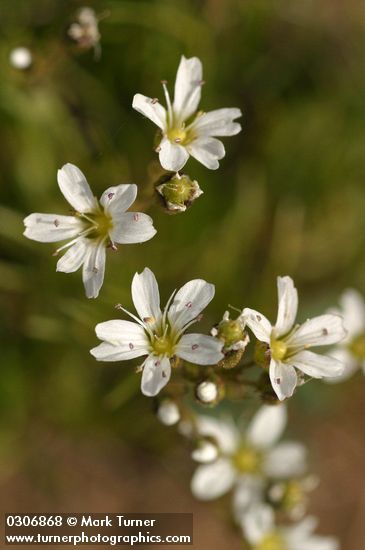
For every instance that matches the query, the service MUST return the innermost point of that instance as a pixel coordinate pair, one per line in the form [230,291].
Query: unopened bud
[232,333]
[206,451]
[207,392]
[168,412]
[20,58]
[178,192]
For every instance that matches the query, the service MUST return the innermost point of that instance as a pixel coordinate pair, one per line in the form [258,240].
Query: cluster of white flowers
[253,463]
[262,472]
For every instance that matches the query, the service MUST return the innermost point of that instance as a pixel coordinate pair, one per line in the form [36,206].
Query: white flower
[246,459]
[183,135]
[20,58]
[92,228]
[159,335]
[351,350]
[261,532]
[289,343]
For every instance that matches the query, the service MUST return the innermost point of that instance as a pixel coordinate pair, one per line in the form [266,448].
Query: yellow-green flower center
[180,135]
[247,460]
[272,541]
[163,345]
[357,347]
[100,223]
[278,349]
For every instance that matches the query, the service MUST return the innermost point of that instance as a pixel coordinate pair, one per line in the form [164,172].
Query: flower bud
[205,451]
[178,192]
[232,333]
[168,412]
[20,58]
[209,392]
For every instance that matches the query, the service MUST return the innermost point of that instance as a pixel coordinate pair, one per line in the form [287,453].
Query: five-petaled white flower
[288,343]
[159,335]
[262,533]
[351,350]
[245,459]
[93,227]
[184,130]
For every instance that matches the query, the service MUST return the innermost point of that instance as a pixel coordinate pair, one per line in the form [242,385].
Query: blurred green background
[289,198]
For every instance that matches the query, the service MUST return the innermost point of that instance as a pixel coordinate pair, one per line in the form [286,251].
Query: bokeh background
[289,198]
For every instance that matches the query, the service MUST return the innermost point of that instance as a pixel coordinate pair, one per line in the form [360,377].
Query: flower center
[100,224]
[272,541]
[278,349]
[162,345]
[247,460]
[357,346]
[230,332]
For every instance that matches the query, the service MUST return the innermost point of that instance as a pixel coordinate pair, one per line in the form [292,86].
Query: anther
[278,380]
[95,269]
[158,149]
[154,100]
[325,332]
[163,82]
[194,347]
[118,306]
[131,346]
[56,223]
[201,82]
[110,195]
[258,317]
[157,363]
[188,305]
[200,317]
[136,217]
[164,375]
[177,140]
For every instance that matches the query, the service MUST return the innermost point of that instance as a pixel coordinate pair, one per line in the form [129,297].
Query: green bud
[178,192]
[232,333]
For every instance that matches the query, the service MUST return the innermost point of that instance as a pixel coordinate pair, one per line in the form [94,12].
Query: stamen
[278,380]
[194,347]
[95,269]
[154,100]
[168,101]
[110,196]
[113,246]
[56,223]
[188,305]
[167,307]
[131,346]
[143,325]
[177,140]
[136,217]
[157,363]
[158,149]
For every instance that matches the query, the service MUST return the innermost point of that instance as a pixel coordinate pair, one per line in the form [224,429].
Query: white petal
[320,331]
[208,151]
[318,366]
[288,306]
[172,155]
[123,333]
[187,88]
[123,340]
[94,268]
[258,522]
[50,228]
[283,379]
[73,259]
[156,374]
[132,227]
[258,323]
[75,188]
[189,301]
[350,364]
[223,431]
[248,492]
[286,460]
[211,481]
[151,109]
[116,200]
[146,296]
[353,309]
[299,537]
[218,123]
[200,349]
[267,425]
